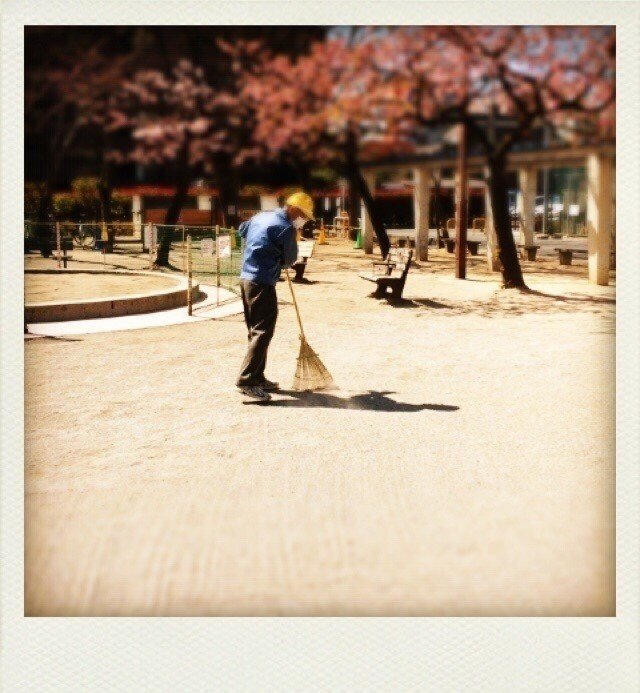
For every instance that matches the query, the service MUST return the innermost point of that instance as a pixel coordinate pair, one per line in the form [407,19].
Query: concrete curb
[112,306]
[205,309]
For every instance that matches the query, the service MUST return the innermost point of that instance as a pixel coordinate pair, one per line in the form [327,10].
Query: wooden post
[461,207]
[150,245]
[367,227]
[421,212]
[58,244]
[489,229]
[184,264]
[217,267]
[527,179]
[599,217]
[189,277]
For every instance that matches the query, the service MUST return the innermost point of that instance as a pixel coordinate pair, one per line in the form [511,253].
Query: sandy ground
[72,287]
[125,257]
[465,466]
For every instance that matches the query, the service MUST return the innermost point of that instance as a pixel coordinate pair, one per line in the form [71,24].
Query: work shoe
[269,385]
[255,392]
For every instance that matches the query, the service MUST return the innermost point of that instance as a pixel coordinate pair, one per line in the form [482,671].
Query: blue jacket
[270,244]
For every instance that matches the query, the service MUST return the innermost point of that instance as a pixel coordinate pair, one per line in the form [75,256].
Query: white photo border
[443,654]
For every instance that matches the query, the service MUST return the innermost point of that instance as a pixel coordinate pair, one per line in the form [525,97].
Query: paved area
[465,465]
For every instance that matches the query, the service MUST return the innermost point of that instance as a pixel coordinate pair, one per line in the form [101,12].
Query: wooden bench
[565,256]
[391,274]
[305,250]
[472,246]
[528,252]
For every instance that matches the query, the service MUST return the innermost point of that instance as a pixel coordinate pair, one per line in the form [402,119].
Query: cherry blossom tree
[311,110]
[64,99]
[468,75]
[176,120]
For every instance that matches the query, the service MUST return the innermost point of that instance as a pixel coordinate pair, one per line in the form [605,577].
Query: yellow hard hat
[303,202]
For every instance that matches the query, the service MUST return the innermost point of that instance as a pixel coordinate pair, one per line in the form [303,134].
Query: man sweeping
[270,245]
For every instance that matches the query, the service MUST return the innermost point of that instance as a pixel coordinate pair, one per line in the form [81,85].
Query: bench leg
[396,292]
[299,270]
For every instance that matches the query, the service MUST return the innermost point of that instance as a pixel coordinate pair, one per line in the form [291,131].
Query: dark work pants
[260,313]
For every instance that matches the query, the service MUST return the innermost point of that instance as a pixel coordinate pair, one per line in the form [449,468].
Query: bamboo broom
[311,373]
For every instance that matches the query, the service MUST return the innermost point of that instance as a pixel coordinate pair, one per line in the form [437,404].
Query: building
[529,163]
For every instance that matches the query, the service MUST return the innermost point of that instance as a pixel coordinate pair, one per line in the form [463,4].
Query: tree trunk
[58,147]
[357,180]
[229,199]
[175,207]
[353,207]
[304,175]
[511,272]
[104,195]
[437,214]
[44,227]
[228,192]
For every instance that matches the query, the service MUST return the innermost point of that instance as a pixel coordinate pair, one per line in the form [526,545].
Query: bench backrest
[305,248]
[401,258]
[407,264]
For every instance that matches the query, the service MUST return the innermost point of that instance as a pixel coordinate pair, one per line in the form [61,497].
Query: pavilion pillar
[527,179]
[367,227]
[421,211]
[490,231]
[204,202]
[136,213]
[599,216]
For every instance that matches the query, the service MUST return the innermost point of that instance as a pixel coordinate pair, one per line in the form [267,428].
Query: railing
[215,251]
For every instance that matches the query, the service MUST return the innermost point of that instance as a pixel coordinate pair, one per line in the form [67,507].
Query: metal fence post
[58,244]
[184,264]
[150,239]
[189,277]
[217,266]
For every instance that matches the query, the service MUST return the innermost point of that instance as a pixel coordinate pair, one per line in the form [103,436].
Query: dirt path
[466,465]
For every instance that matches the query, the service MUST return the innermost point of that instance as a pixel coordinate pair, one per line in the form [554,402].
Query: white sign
[574,210]
[224,246]
[206,246]
[305,248]
[326,204]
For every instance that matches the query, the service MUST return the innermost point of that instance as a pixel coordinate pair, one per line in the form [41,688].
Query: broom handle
[295,303]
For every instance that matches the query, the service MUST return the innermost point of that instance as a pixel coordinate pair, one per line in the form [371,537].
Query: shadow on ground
[510,302]
[29,337]
[369,401]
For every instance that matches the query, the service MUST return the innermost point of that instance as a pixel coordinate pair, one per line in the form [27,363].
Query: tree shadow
[510,302]
[304,280]
[169,266]
[367,401]
[417,302]
[107,265]
[30,336]
[571,298]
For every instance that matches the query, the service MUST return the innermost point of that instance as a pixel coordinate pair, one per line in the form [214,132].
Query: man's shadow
[368,401]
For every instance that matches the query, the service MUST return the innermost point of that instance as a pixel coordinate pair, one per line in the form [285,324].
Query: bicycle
[84,237]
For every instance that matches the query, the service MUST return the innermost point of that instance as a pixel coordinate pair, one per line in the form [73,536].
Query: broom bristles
[311,373]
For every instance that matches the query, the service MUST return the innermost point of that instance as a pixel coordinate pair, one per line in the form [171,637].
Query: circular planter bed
[132,292]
